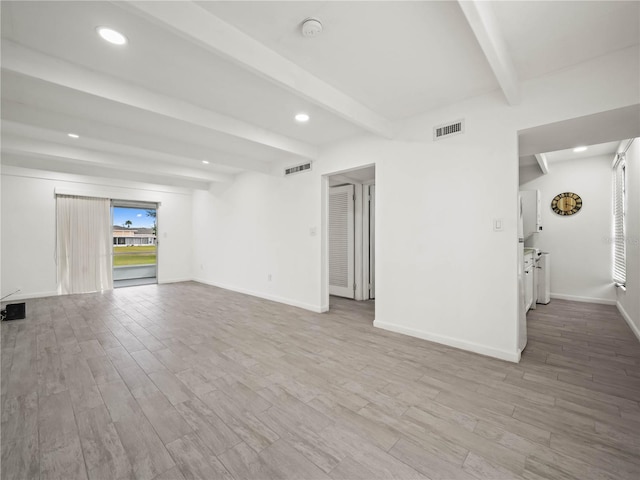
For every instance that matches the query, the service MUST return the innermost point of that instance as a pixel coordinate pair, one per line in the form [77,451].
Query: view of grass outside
[134,255]
[134,236]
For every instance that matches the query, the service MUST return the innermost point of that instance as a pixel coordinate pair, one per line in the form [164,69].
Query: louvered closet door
[341,241]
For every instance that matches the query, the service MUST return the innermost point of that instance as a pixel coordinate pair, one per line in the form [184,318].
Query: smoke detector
[311,27]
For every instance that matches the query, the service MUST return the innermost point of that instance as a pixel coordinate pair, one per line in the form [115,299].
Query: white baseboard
[574,298]
[634,328]
[29,296]
[54,293]
[174,280]
[266,296]
[452,342]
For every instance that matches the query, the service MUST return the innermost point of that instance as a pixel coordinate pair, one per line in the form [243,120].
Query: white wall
[580,244]
[442,272]
[257,227]
[28,226]
[629,299]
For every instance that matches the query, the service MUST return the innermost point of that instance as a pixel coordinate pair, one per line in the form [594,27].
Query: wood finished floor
[190,381]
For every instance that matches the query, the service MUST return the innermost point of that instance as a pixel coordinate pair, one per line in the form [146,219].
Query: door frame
[365,253]
[143,205]
[369,272]
[324,235]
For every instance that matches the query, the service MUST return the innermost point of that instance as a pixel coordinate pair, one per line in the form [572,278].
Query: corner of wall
[627,318]
[510,356]
[273,298]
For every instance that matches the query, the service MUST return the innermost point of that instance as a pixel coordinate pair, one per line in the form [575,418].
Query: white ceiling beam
[44,167]
[146,158]
[56,152]
[28,121]
[541,158]
[203,28]
[485,27]
[33,64]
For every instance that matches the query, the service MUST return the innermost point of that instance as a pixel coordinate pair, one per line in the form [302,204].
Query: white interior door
[372,241]
[342,241]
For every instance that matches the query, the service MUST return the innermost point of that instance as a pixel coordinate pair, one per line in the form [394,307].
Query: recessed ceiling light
[302,117]
[73,135]
[206,162]
[579,149]
[111,36]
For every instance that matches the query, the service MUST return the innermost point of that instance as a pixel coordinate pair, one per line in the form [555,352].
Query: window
[619,224]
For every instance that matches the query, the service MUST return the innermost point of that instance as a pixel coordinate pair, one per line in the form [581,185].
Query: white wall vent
[448,129]
[297,169]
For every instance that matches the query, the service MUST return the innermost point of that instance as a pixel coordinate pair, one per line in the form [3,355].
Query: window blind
[619,207]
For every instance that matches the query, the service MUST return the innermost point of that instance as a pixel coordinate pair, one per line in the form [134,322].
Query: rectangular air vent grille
[448,129]
[297,169]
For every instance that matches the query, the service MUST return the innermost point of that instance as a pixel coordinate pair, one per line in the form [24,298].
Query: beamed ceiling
[222,81]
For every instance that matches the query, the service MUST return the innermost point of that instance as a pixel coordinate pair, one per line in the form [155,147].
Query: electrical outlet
[269,277]
[202,266]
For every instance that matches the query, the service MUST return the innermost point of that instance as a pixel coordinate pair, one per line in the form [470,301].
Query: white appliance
[528,280]
[544,278]
[531,212]
[531,256]
[522,312]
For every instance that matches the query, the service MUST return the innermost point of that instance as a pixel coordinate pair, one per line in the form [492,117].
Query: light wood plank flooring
[189,381]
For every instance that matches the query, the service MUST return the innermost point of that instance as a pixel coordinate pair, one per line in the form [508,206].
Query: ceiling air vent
[297,169]
[448,129]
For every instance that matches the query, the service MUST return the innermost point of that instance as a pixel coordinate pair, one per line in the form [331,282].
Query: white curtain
[84,247]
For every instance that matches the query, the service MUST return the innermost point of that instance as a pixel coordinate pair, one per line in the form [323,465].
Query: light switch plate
[498,225]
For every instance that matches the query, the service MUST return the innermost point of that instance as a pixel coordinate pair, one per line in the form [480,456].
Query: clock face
[566,203]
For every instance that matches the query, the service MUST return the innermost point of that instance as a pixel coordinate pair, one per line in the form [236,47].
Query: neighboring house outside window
[133,236]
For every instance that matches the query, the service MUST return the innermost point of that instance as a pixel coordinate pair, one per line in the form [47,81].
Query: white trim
[324,240]
[106,192]
[627,318]
[358,242]
[266,296]
[371,246]
[365,245]
[574,298]
[452,342]
[519,356]
[174,280]
[125,203]
[78,192]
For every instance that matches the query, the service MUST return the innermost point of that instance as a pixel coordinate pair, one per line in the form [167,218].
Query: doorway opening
[565,166]
[350,240]
[135,244]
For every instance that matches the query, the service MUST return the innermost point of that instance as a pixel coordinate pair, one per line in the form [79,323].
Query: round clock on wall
[566,203]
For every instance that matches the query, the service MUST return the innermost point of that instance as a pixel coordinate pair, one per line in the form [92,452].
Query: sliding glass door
[135,245]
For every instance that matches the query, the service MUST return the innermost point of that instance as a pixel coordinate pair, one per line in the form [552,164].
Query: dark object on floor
[14,311]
